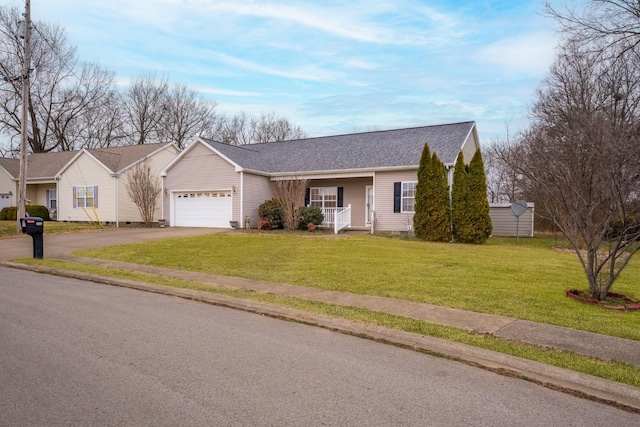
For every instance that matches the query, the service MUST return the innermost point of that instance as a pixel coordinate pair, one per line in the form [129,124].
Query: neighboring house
[85,185]
[9,170]
[363,180]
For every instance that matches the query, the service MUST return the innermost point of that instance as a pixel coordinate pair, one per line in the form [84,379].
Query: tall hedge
[423,194]
[478,204]
[461,221]
[431,220]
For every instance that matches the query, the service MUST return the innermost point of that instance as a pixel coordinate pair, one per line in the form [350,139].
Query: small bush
[39,211]
[271,210]
[311,227]
[310,215]
[11,213]
[265,224]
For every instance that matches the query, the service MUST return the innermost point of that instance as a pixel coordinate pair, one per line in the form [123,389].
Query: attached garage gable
[202,209]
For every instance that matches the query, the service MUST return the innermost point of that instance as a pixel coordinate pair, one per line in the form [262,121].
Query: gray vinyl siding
[506,225]
[384,217]
[200,169]
[257,189]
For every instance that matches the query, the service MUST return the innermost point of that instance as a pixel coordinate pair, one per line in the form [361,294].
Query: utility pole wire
[22,180]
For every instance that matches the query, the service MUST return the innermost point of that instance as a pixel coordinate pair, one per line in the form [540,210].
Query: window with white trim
[323,197]
[409,196]
[85,196]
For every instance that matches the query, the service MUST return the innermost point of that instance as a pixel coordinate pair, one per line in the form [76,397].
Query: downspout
[242,200]
[57,199]
[162,195]
[117,201]
[373,207]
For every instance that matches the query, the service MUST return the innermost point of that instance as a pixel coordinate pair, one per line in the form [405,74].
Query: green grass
[8,228]
[525,280]
[614,371]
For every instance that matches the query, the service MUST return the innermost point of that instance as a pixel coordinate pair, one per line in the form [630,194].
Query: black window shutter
[307,196]
[340,197]
[397,196]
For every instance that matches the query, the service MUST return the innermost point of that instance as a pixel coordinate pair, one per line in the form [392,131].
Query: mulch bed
[613,300]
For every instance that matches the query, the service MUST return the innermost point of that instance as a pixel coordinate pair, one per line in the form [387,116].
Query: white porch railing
[338,218]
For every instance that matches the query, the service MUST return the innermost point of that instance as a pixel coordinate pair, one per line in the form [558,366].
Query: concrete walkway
[580,342]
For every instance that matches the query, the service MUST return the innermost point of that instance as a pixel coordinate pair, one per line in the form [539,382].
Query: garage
[203,209]
[5,200]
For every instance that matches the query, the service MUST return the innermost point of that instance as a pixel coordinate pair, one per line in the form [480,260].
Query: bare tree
[582,159]
[145,107]
[269,127]
[243,128]
[104,125]
[602,23]
[501,158]
[186,116]
[144,189]
[61,92]
[73,105]
[291,193]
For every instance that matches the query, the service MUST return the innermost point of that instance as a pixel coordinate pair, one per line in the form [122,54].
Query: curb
[578,384]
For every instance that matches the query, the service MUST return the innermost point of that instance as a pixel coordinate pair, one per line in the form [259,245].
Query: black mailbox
[34,226]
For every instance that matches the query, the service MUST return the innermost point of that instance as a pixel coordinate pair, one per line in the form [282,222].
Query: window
[409,196]
[52,199]
[323,197]
[85,197]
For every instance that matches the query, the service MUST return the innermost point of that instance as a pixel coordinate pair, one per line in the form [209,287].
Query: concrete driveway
[60,244]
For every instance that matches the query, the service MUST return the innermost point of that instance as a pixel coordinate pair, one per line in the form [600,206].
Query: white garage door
[203,209]
[5,201]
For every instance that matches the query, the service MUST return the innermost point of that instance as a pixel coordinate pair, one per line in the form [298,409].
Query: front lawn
[525,280]
[8,228]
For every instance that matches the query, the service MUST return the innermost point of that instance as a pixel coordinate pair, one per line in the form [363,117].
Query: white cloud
[305,72]
[227,92]
[370,22]
[528,54]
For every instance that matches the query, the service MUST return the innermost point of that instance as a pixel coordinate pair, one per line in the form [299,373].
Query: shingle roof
[369,150]
[48,165]
[118,158]
[12,166]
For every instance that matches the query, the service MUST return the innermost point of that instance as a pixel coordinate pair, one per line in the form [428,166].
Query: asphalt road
[79,353]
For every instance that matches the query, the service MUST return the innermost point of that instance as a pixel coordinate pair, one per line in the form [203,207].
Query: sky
[331,67]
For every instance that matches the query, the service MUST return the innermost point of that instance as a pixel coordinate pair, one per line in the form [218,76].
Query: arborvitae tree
[462,227]
[423,194]
[478,204]
[441,215]
[431,220]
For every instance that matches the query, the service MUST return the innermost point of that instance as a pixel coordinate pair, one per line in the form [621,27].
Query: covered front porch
[346,203]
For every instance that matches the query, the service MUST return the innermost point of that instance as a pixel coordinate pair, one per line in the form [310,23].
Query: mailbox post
[34,227]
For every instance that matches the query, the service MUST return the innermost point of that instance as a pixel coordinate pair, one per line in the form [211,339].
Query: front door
[369,205]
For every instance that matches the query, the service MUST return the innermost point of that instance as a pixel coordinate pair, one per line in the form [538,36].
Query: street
[79,353]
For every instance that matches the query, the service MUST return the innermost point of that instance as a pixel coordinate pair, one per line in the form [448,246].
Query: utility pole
[22,180]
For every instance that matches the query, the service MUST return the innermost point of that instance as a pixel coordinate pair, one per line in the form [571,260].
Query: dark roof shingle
[48,165]
[369,150]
